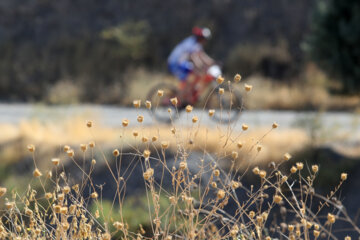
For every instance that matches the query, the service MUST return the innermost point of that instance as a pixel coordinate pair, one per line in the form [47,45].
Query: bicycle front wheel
[227,105]
[162,108]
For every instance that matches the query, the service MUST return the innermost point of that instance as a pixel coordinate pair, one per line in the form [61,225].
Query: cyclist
[189,56]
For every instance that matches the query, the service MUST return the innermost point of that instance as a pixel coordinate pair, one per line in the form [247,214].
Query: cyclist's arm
[208,61]
[201,60]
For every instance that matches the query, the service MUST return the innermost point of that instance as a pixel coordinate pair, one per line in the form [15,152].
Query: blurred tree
[131,38]
[334,41]
[91,44]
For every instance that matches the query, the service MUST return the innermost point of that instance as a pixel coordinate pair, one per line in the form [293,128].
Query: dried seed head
[284,179]
[89,124]
[48,195]
[216,172]
[316,233]
[308,225]
[172,200]
[61,196]
[49,174]
[189,108]
[160,93]
[31,148]
[316,226]
[70,153]
[291,227]
[146,153]
[66,148]
[144,139]
[140,118]
[75,187]
[244,127]
[137,103]
[220,79]
[164,144]
[116,153]
[220,194]
[194,119]
[28,212]
[83,147]
[148,174]
[2,191]
[240,145]
[37,173]
[93,162]
[125,122]
[173,130]
[258,148]
[248,87]
[135,133]
[293,169]
[315,168]
[213,184]
[221,91]
[94,195]
[55,161]
[92,144]
[262,173]
[235,184]
[63,210]
[299,165]
[183,165]
[275,125]
[259,219]
[287,156]
[347,238]
[251,214]
[234,155]
[106,236]
[256,170]
[118,225]
[148,104]
[66,189]
[9,205]
[343,176]
[154,138]
[174,101]
[233,233]
[277,199]
[237,78]
[331,218]
[268,238]
[189,200]
[211,112]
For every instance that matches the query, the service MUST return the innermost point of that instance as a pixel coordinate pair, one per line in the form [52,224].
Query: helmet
[201,32]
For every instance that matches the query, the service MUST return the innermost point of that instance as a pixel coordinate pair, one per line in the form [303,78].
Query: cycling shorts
[181,70]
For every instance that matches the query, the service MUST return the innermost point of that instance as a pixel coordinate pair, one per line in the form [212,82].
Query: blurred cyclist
[189,56]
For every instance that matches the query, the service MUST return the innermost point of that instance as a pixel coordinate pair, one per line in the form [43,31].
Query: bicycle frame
[197,86]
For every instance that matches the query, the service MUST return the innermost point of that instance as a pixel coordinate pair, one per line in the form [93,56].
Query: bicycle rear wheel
[227,106]
[161,105]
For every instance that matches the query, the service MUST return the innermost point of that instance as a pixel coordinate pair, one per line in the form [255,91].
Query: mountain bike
[223,100]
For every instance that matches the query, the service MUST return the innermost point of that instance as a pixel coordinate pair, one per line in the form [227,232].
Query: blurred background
[62,62]
[101,51]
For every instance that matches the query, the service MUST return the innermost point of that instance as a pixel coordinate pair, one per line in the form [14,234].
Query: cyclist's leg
[185,69]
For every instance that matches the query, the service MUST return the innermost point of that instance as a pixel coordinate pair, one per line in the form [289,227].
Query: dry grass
[210,201]
[277,95]
[73,132]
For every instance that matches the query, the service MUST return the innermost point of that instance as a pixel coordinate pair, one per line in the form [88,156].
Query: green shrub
[334,41]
